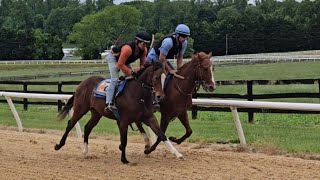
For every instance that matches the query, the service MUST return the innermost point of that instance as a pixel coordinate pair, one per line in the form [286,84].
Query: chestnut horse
[134,104]
[178,94]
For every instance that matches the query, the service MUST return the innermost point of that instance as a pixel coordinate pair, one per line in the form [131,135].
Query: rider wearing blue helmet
[170,46]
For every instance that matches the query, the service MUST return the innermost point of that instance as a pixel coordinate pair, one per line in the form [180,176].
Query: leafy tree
[20,16]
[89,7]
[38,21]
[46,46]
[98,31]
[147,10]
[61,20]
[101,4]
[15,45]
[268,6]
[5,7]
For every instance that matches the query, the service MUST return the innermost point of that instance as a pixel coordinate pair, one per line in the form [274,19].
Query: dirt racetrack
[30,155]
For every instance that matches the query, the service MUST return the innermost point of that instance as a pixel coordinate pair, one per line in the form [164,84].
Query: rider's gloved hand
[134,75]
[172,71]
[122,78]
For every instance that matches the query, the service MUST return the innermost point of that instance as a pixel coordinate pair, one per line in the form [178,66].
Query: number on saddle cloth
[100,90]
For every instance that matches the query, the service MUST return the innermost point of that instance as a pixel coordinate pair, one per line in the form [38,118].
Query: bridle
[150,90]
[199,81]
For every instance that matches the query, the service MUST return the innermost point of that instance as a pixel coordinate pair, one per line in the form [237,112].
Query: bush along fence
[249,95]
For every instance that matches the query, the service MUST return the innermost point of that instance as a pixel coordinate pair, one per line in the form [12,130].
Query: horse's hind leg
[95,118]
[74,119]
[123,127]
[185,122]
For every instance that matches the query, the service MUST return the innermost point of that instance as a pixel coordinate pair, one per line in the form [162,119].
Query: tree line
[36,29]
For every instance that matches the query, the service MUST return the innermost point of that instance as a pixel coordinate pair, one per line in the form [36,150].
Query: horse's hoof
[85,148]
[147,151]
[181,158]
[57,147]
[125,161]
[146,147]
[85,151]
[173,139]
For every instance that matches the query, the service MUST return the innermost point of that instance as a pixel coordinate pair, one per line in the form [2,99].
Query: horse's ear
[210,54]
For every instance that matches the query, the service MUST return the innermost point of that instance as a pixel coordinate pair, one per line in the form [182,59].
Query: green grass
[272,71]
[32,69]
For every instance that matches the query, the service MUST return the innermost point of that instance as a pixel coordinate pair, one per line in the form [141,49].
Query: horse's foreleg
[74,119]
[185,122]
[163,126]
[95,117]
[153,124]
[123,127]
[144,135]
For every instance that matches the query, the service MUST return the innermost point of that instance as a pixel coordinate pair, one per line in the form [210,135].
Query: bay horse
[134,106]
[178,94]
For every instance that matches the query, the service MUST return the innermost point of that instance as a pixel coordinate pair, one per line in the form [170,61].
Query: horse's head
[151,76]
[204,70]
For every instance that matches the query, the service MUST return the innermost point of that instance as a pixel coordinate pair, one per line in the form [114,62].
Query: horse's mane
[147,65]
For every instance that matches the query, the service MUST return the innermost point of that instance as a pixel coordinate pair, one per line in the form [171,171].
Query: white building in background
[68,53]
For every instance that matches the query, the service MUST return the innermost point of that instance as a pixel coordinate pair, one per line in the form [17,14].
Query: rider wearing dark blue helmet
[171,46]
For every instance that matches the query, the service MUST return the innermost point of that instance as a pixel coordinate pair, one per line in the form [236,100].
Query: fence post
[249,94]
[59,92]
[194,108]
[25,100]
[319,87]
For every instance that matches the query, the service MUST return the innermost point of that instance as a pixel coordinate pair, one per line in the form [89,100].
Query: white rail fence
[232,104]
[9,95]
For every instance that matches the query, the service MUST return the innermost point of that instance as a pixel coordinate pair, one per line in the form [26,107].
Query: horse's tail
[66,109]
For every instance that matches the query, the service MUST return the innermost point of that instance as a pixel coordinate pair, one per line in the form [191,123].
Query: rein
[197,83]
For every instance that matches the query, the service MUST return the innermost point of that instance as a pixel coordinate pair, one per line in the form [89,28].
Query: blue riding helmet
[183,29]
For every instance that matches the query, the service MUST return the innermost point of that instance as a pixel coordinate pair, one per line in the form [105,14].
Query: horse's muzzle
[159,95]
[209,87]
[160,98]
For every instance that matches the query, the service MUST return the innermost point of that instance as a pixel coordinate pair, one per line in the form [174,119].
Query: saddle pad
[100,91]
[166,81]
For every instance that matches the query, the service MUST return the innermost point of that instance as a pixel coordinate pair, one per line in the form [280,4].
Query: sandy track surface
[30,155]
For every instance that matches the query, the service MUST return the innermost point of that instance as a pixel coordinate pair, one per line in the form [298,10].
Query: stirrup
[112,107]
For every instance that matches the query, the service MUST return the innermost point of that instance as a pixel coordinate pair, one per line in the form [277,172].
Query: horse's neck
[144,77]
[188,72]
